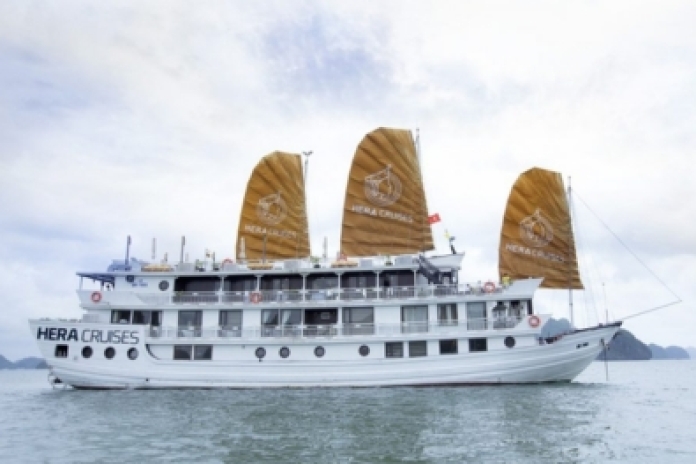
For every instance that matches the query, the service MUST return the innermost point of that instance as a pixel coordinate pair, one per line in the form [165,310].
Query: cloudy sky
[146,119]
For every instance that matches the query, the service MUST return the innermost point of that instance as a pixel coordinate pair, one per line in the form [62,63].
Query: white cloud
[118,118]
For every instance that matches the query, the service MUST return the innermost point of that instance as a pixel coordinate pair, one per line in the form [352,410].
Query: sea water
[646,412]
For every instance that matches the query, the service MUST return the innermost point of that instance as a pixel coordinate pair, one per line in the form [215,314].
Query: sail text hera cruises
[381,314]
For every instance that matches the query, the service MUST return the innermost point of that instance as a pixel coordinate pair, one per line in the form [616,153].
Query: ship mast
[304,180]
[571,244]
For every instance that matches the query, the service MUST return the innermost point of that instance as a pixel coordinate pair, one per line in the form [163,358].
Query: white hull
[560,361]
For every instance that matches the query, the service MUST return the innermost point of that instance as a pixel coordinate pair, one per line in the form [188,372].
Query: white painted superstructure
[295,323]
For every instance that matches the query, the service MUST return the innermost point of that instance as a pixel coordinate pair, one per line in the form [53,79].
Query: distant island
[24,363]
[625,346]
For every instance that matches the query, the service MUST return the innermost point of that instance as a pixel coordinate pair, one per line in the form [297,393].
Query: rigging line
[640,313]
[630,251]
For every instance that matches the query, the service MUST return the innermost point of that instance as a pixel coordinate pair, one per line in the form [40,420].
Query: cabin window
[120,317]
[359,280]
[230,319]
[240,284]
[449,347]
[109,353]
[197,284]
[447,314]
[358,321]
[414,319]
[286,282]
[203,352]
[364,350]
[322,281]
[394,349]
[478,344]
[153,318]
[191,320]
[61,351]
[270,320]
[476,316]
[417,349]
[182,352]
[320,322]
[284,352]
[133,354]
[290,320]
[87,352]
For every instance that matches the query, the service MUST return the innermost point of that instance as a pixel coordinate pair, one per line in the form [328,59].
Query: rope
[640,313]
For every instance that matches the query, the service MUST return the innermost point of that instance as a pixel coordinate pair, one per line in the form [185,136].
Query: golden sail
[537,236]
[273,221]
[385,210]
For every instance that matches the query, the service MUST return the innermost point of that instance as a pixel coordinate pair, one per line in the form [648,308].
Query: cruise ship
[386,310]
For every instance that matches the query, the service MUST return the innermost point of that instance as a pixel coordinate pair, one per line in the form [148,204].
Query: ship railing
[444,327]
[306,297]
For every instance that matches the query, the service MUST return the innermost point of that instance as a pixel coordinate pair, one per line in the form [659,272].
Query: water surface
[645,413]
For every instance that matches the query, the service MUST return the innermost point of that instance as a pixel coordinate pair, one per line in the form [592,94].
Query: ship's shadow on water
[587,421]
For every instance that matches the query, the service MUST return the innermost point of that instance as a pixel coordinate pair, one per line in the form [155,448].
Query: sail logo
[536,230]
[383,188]
[271,209]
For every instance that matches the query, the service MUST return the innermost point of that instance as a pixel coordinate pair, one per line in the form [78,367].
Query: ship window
[319,351]
[394,349]
[109,353]
[190,319]
[364,350]
[203,352]
[133,354]
[448,347]
[478,344]
[61,351]
[153,318]
[510,342]
[269,322]
[163,285]
[182,352]
[260,352]
[231,319]
[447,314]
[476,316]
[417,349]
[284,352]
[358,321]
[120,317]
[87,352]
[414,319]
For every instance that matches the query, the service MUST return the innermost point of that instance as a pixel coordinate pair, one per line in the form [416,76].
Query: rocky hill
[626,347]
[24,363]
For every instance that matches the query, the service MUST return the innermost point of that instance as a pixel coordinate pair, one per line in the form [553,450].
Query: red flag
[433,218]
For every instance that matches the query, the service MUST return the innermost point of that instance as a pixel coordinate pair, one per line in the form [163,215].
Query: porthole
[109,353]
[364,350]
[130,278]
[319,351]
[87,352]
[260,352]
[163,285]
[284,352]
[509,342]
[133,354]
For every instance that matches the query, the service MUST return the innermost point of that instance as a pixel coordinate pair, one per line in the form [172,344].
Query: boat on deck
[385,311]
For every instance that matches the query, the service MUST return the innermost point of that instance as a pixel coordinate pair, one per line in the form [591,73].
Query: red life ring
[227,261]
[534,321]
[489,287]
[342,257]
[96,297]
[255,297]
